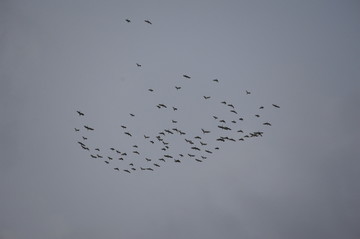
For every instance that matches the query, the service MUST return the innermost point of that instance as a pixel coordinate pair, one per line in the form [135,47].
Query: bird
[122,126]
[198,160]
[146,137]
[222,121]
[125,170]
[233,121]
[178,87]
[217,148]
[127,20]
[124,154]
[248,92]
[174,108]
[99,156]
[240,131]
[174,121]
[138,65]
[195,148]
[97,149]
[186,76]
[112,149]
[205,131]
[161,159]
[191,155]
[203,143]
[162,105]
[116,169]
[132,115]
[257,116]
[223,102]
[147,159]
[107,162]
[267,123]
[88,128]
[215,80]
[241,119]
[208,151]
[150,169]
[84,138]
[215,117]
[261,107]
[77,129]
[93,156]
[136,152]
[167,156]
[80,113]
[110,158]
[157,165]
[151,90]
[230,105]
[207,97]
[177,161]
[135,146]
[128,134]
[147,21]
[233,111]
[197,137]
[276,106]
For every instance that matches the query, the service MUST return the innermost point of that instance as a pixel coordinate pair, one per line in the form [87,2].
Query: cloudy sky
[300,180]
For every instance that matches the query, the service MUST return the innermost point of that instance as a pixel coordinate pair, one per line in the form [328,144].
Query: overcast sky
[300,180]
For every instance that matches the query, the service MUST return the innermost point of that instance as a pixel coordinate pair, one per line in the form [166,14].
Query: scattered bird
[127,20]
[116,169]
[248,92]
[276,106]
[178,87]
[125,170]
[132,115]
[267,123]
[205,131]
[88,128]
[151,90]
[206,97]
[77,129]
[80,113]
[127,133]
[186,76]
[84,138]
[216,80]
[138,65]
[261,107]
[147,21]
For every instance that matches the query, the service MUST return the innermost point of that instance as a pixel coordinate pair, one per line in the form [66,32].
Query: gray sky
[301,180]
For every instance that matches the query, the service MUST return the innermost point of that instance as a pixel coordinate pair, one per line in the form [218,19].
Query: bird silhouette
[186,76]
[127,20]
[178,87]
[248,92]
[88,128]
[77,129]
[147,21]
[80,113]
[206,97]
[216,80]
[138,65]
[276,106]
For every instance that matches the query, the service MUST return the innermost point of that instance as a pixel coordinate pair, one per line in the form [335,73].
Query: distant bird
[147,21]
[127,20]
[203,157]
[241,139]
[157,165]
[233,121]
[117,169]
[195,148]
[223,102]
[125,170]
[147,159]
[77,129]
[107,162]
[136,152]
[84,138]
[146,137]
[191,155]
[207,97]
[222,121]
[205,131]
[177,161]
[112,149]
[198,160]
[150,169]
[203,143]
[233,111]
[124,154]
[178,87]
[174,121]
[162,105]
[133,169]
[80,113]
[93,156]
[110,158]
[128,134]
[117,151]
[186,76]
[167,156]
[135,146]
[138,65]
[88,128]
[152,142]
[230,105]
[122,126]
[240,131]
[208,151]
[161,159]
[121,158]
[181,155]
[131,164]
[215,117]
[257,116]
[241,119]
[99,156]
[151,90]
[97,149]
[248,92]
[216,80]
[217,148]
[174,108]
[197,137]
[267,123]
[261,107]
[276,106]
[132,115]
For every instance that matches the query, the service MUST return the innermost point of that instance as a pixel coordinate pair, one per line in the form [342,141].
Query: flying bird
[186,76]
[206,97]
[88,128]
[122,126]
[132,115]
[77,129]
[116,169]
[138,65]
[174,108]
[84,138]
[178,87]
[127,20]
[125,170]
[267,123]
[198,160]
[80,113]
[205,131]
[216,80]
[261,107]
[151,90]
[248,92]
[276,106]
[128,134]
[147,21]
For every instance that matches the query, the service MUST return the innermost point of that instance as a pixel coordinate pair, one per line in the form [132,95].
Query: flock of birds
[173,143]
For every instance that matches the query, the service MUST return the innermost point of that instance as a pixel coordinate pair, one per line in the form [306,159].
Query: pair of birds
[147,21]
